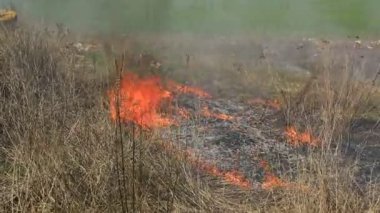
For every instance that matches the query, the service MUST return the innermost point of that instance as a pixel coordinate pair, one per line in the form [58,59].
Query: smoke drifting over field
[347,17]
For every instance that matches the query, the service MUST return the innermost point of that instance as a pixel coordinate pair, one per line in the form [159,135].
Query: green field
[337,17]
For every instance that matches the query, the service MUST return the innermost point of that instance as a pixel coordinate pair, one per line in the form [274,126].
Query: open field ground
[180,123]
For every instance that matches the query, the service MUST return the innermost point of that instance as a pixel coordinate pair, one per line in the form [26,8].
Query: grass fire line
[232,177]
[140,100]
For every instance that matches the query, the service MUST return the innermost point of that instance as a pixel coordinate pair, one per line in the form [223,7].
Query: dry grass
[61,153]
[328,105]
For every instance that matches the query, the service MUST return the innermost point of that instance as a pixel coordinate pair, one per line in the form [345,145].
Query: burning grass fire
[168,146]
[138,100]
[270,180]
[296,138]
[232,177]
[179,88]
[207,113]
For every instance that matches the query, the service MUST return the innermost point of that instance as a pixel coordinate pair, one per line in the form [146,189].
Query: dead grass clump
[36,92]
[326,184]
[43,110]
[327,107]
[330,101]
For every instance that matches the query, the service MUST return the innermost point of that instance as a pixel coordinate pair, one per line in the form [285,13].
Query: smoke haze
[338,17]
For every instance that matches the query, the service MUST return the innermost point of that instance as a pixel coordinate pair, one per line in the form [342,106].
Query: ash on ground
[253,134]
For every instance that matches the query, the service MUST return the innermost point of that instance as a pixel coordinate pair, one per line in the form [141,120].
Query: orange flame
[296,138]
[188,90]
[207,113]
[138,100]
[270,180]
[232,177]
[237,179]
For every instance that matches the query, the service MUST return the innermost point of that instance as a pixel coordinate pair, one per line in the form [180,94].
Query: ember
[207,113]
[237,179]
[270,180]
[296,138]
[232,177]
[188,90]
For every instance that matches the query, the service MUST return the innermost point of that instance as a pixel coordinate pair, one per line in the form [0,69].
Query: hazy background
[314,17]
